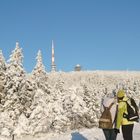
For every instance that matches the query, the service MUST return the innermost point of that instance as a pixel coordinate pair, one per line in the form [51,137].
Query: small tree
[39,68]
[39,74]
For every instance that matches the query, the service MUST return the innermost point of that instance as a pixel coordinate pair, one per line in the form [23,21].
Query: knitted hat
[120,93]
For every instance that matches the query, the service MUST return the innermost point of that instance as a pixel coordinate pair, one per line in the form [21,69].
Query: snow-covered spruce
[41,102]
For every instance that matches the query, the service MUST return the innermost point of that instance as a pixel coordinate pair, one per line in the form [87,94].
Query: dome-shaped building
[77,67]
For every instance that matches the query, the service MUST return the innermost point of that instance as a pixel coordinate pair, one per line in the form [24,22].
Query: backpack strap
[125,101]
[111,105]
[129,103]
[114,121]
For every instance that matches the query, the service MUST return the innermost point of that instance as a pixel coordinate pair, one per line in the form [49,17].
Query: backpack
[105,121]
[132,110]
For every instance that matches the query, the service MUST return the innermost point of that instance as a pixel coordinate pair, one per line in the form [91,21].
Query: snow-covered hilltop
[42,102]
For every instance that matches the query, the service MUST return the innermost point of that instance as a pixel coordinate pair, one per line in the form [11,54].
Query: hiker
[109,130]
[122,121]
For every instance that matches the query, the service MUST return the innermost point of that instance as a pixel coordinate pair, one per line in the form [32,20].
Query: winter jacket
[122,108]
[107,102]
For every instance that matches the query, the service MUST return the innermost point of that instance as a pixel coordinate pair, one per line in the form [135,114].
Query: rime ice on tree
[15,64]
[14,100]
[39,68]
[3,68]
[2,61]
[39,74]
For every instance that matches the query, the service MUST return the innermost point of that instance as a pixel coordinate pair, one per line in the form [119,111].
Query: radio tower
[53,66]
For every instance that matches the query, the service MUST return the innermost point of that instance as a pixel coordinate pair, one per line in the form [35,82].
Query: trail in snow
[83,134]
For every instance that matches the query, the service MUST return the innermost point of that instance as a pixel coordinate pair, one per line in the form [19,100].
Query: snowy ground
[84,134]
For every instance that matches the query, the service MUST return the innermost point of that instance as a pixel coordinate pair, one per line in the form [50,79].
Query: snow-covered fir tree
[39,68]
[40,119]
[3,67]
[92,103]
[14,103]
[2,62]
[15,73]
[39,74]
[15,62]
